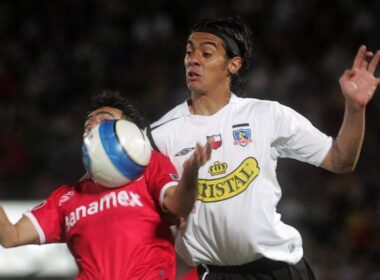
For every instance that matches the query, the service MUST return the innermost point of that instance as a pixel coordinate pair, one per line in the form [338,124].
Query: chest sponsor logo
[110,200]
[217,141]
[218,168]
[242,136]
[230,185]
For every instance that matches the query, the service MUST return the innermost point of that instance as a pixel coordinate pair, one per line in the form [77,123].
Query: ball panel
[116,153]
[86,158]
[106,153]
[134,142]
[102,170]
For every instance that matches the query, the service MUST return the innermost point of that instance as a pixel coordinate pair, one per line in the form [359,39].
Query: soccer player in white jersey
[234,230]
[119,233]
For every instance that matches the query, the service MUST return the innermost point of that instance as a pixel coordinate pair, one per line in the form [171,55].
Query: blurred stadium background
[55,54]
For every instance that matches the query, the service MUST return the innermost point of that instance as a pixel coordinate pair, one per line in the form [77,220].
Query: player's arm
[21,233]
[358,86]
[179,200]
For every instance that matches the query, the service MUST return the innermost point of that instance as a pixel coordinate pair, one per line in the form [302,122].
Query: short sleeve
[295,137]
[47,219]
[160,175]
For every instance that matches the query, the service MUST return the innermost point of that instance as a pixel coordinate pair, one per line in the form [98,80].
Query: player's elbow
[9,236]
[180,210]
[8,243]
[178,202]
[344,165]
[347,169]
[183,211]
[340,168]
[340,162]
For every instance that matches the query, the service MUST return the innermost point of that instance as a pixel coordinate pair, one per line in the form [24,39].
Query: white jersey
[234,220]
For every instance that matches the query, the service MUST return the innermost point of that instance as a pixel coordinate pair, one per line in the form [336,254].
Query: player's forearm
[181,201]
[182,198]
[347,145]
[22,233]
[8,232]
[187,192]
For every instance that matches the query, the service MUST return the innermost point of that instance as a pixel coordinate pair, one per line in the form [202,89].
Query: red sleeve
[160,174]
[47,219]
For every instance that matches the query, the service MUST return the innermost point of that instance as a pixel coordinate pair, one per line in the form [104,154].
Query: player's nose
[193,59]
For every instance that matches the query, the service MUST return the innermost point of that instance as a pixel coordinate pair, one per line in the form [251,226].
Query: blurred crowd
[55,54]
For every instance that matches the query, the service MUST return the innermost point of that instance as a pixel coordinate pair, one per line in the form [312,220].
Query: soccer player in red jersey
[114,233]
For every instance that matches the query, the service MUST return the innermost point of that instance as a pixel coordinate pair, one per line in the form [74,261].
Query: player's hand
[180,200]
[359,83]
[200,155]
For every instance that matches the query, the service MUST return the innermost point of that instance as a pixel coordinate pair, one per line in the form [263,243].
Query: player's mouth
[193,76]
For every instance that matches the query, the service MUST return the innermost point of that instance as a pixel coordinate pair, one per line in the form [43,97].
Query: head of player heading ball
[115,152]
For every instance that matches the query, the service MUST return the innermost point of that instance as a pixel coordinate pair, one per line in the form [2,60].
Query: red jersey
[113,233]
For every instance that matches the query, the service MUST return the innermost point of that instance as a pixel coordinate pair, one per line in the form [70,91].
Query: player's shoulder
[63,190]
[157,158]
[269,111]
[255,105]
[159,164]
[170,118]
[161,130]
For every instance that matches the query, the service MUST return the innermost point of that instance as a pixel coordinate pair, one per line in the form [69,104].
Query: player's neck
[207,104]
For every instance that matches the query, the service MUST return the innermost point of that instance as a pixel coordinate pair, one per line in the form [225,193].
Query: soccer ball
[115,152]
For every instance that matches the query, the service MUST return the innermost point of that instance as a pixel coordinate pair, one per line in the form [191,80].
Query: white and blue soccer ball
[115,152]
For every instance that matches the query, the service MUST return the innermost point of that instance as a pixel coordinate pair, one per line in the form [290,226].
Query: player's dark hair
[116,100]
[232,28]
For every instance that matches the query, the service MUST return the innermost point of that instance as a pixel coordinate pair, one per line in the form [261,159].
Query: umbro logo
[184,151]
[66,197]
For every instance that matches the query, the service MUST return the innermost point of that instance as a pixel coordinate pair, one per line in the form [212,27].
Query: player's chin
[194,86]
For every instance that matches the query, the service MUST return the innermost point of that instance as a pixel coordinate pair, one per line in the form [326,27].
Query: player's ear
[234,64]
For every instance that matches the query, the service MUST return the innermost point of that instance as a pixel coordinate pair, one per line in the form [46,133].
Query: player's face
[205,63]
[99,115]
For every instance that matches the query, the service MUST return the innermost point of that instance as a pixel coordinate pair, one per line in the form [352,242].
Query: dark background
[55,54]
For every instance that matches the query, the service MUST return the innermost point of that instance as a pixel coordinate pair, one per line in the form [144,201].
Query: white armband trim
[37,226]
[164,189]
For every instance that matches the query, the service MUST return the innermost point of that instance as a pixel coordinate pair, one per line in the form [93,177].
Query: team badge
[242,136]
[217,141]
